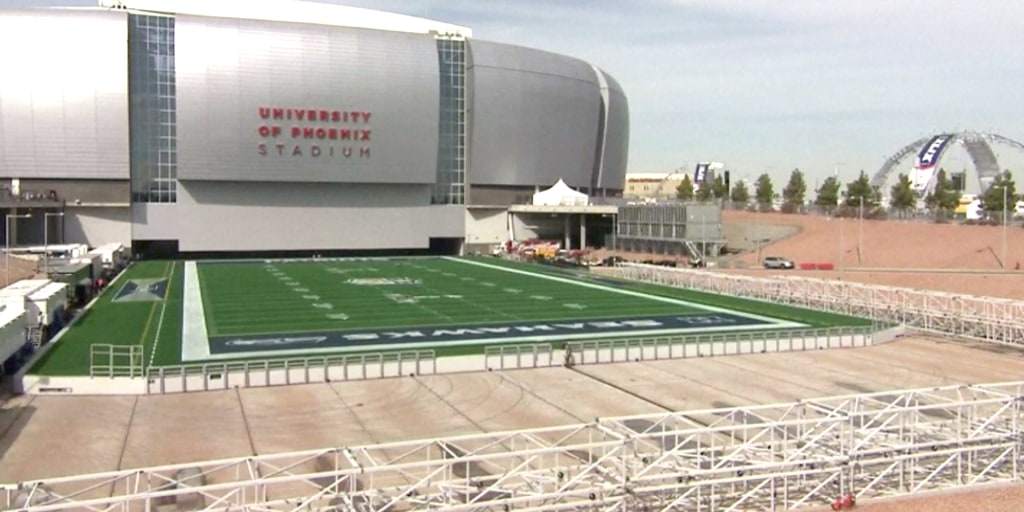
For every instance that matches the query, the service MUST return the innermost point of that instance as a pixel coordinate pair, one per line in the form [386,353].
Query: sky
[773,85]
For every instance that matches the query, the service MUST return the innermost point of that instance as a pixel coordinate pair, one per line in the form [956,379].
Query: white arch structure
[979,149]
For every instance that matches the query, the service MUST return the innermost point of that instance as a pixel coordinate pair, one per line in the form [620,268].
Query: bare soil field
[997,498]
[886,244]
[943,257]
[21,268]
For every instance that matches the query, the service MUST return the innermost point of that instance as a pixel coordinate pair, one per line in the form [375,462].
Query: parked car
[778,262]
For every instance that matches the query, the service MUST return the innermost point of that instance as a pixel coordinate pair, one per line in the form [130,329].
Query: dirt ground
[943,257]
[887,244]
[1001,498]
[22,269]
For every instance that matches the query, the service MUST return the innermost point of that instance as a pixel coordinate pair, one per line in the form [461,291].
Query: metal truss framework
[760,457]
[979,149]
[981,318]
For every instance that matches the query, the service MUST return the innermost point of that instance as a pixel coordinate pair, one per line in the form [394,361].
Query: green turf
[246,298]
[120,323]
[810,317]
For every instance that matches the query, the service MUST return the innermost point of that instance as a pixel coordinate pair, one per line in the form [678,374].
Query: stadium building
[205,127]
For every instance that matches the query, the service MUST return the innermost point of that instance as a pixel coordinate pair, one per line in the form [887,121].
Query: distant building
[652,185]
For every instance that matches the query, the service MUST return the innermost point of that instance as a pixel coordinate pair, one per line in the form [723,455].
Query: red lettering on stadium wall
[311,131]
[314,151]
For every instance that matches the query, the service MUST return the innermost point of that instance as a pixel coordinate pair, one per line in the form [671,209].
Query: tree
[685,189]
[764,192]
[860,192]
[705,192]
[943,197]
[739,195]
[828,194]
[793,195]
[992,199]
[901,195]
[718,188]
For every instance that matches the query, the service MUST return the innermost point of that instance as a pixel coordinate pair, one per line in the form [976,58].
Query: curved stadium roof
[295,11]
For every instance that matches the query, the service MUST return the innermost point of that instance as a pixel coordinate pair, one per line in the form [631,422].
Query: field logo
[143,290]
[382,281]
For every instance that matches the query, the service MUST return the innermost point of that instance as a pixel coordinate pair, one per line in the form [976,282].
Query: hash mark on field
[540,297]
[469,303]
[489,285]
[417,303]
[311,297]
[575,306]
[513,291]
[301,290]
[338,316]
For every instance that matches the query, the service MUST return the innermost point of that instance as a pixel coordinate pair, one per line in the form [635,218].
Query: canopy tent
[560,195]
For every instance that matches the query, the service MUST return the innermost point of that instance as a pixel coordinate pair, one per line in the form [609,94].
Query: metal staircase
[695,252]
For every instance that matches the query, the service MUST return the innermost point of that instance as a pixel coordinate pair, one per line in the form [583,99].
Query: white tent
[560,195]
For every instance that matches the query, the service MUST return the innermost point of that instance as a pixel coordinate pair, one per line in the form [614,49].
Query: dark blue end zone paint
[153,289]
[484,333]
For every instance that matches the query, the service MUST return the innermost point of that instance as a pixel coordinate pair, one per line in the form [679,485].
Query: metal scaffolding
[776,456]
[969,316]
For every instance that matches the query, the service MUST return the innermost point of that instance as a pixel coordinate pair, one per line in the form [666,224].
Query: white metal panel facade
[63,94]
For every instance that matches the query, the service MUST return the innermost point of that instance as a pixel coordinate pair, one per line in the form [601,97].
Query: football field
[195,311]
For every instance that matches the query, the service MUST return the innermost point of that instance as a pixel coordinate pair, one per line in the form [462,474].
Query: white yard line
[469,303]
[194,338]
[163,307]
[657,298]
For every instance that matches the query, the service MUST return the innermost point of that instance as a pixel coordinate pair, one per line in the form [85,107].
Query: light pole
[1006,209]
[860,233]
[842,243]
[703,241]
[46,239]
[7,245]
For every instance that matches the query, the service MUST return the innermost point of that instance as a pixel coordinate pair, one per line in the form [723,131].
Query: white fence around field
[989,319]
[107,360]
[280,372]
[720,344]
[513,357]
[114,366]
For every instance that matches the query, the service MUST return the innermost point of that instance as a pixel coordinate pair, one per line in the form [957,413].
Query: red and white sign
[314,132]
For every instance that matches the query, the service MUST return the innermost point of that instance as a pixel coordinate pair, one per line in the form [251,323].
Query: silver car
[778,262]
